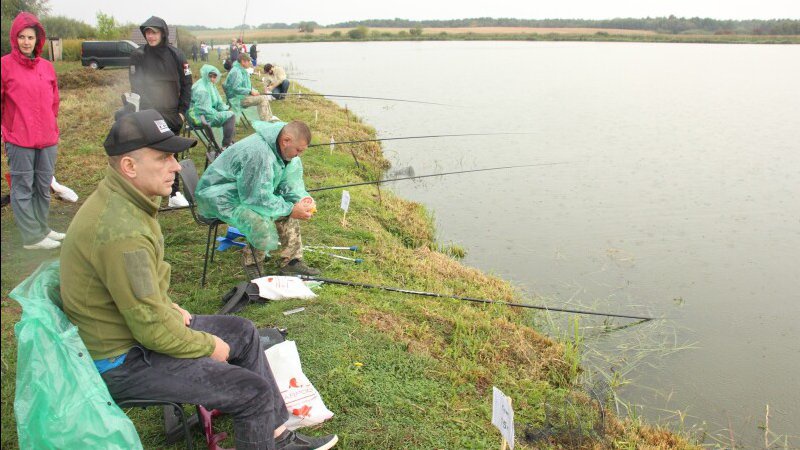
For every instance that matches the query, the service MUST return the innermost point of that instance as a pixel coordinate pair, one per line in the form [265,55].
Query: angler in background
[207,105]
[30,132]
[257,186]
[161,76]
[275,81]
[240,92]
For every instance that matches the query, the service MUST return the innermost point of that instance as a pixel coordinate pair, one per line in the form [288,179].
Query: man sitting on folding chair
[114,284]
[207,106]
[257,186]
[240,92]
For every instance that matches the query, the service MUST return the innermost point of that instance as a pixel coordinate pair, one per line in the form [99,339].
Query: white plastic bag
[302,399]
[275,287]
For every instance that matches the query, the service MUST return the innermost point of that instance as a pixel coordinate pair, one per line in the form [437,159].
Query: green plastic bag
[61,402]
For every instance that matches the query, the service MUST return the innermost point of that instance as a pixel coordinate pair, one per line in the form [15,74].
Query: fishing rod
[301,94]
[469,299]
[341,186]
[244,19]
[415,137]
[363,183]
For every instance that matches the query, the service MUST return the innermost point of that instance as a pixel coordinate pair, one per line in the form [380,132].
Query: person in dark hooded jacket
[160,74]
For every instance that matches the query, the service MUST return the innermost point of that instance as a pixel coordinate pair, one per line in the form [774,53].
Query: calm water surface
[680,199]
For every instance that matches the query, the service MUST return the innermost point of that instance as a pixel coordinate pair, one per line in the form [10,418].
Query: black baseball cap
[144,129]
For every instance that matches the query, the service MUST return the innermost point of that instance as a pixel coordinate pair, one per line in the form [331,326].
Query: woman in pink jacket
[29,100]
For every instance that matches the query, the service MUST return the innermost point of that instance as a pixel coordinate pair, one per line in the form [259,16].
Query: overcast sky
[229,13]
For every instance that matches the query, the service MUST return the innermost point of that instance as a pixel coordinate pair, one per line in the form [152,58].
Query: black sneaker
[298,267]
[290,440]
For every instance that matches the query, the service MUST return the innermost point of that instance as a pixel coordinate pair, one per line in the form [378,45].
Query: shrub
[358,33]
[336,34]
[71,49]
[416,31]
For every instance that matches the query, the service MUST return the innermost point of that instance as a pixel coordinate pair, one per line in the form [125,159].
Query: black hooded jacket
[161,75]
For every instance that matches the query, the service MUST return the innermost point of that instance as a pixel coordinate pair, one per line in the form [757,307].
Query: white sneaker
[44,244]
[56,236]
[178,200]
[67,194]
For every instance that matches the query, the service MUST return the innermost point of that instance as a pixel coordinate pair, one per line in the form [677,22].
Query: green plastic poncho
[237,86]
[61,401]
[249,186]
[206,100]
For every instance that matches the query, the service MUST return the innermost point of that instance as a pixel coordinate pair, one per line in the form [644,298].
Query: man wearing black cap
[114,284]
[160,74]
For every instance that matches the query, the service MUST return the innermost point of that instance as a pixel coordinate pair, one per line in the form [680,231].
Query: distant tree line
[669,25]
[666,25]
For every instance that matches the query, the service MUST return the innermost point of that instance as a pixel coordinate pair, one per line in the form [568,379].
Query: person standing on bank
[161,76]
[29,100]
[254,53]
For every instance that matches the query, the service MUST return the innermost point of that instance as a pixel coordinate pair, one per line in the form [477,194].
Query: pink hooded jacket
[29,91]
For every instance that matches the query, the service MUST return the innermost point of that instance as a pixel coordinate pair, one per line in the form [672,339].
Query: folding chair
[190,179]
[172,411]
[205,135]
[241,113]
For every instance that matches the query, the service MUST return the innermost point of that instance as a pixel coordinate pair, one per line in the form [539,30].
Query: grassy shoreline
[398,371]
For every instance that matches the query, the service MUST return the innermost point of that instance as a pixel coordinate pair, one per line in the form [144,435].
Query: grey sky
[229,13]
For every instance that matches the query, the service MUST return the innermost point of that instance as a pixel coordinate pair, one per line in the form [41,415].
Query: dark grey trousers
[31,174]
[243,388]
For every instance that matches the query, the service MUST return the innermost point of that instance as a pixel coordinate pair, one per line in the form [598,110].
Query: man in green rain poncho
[257,186]
[240,92]
[207,105]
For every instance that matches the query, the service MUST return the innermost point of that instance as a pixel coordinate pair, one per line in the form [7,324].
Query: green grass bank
[398,371]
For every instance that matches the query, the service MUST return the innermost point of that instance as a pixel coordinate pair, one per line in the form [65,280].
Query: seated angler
[257,186]
[240,92]
[207,105]
[275,81]
[115,283]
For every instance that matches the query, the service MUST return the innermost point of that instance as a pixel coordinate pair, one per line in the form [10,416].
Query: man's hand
[187,318]
[221,350]
[310,202]
[303,210]
[253,92]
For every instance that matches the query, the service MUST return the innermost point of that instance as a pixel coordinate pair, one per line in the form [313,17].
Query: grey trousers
[31,174]
[244,387]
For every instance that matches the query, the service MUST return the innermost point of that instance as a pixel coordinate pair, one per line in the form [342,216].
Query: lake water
[679,199]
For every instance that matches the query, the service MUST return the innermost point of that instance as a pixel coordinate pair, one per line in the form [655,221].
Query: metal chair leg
[214,248]
[205,263]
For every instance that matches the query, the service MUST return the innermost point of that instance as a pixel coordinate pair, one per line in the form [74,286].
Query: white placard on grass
[345,200]
[503,415]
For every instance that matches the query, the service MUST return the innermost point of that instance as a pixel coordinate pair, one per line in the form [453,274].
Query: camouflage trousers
[262,101]
[291,244]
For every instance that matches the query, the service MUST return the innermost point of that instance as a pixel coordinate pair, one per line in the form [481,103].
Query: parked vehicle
[99,54]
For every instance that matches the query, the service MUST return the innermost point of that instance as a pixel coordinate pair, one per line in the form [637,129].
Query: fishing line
[341,186]
[470,299]
[365,98]
[416,137]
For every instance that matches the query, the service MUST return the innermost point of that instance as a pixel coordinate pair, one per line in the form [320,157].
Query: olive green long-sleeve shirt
[114,279]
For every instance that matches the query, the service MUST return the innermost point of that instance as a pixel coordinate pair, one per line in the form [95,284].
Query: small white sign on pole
[503,415]
[345,200]
[333,143]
